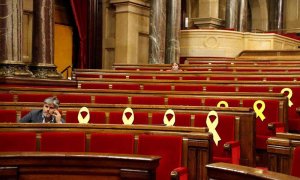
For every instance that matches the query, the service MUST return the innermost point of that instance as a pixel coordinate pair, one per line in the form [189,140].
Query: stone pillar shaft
[157,31]
[276,15]
[11,31]
[11,13]
[43,31]
[43,40]
[173,31]
[243,16]
[231,19]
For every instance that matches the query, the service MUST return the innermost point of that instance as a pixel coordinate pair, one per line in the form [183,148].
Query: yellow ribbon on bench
[86,119]
[213,125]
[259,112]
[222,103]
[166,120]
[128,121]
[289,95]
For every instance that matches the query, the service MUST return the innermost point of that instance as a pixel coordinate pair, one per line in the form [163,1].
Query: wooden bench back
[47,165]
[196,146]
[280,150]
[220,171]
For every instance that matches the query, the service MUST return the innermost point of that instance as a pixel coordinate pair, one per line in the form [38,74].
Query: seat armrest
[180,173]
[276,127]
[231,144]
[233,148]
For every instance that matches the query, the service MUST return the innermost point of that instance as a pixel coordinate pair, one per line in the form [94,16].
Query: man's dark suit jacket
[35,116]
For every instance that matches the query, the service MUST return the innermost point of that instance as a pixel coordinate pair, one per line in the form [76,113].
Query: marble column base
[44,72]
[10,70]
[208,23]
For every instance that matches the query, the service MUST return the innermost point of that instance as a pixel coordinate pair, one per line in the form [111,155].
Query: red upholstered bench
[17,141]
[194,78]
[168,77]
[148,100]
[188,88]
[296,162]
[228,149]
[113,76]
[140,77]
[33,97]
[216,88]
[293,115]
[86,85]
[111,99]
[112,143]
[96,117]
[63,141]
[74,98]
[168,147]
[279,79]
[221,78]
[263,131]
[157,87]
[126,86]
[253,89]
[215,101]
[184,101]
[8,116]
[139,117]
[87,75]
[245,78]
[181,119]
[6,97]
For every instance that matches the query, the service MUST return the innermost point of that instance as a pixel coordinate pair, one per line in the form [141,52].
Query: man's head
[51,105]
[175,67]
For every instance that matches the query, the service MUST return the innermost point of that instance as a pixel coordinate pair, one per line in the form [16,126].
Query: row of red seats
[182,119]
[271,112]
[214,69]
[170,147]
[274,77]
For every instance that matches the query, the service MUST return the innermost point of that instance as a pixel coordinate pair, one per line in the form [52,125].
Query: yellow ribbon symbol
[259,112]
[86,119]
[222,104]
[128,121]
[166,120]
[289,95]
[213,125]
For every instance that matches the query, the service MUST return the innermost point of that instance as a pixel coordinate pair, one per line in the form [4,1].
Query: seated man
[49,113]
[175,67]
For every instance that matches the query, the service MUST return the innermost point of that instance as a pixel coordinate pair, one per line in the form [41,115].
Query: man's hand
[57,116]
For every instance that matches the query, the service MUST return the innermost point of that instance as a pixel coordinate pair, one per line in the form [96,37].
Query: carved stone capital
[44,72]
[208,23]
[10,70]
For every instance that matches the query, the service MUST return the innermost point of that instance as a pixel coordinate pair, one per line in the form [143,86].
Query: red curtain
[79,8]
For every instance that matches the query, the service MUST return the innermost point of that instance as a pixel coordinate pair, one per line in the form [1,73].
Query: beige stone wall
[259,10]
[27,30]
[221,43]
[131,31]
[109,33]
[291,15]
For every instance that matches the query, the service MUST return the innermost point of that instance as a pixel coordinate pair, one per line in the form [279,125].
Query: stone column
[11,13]
[206,14]
[243,16]
[132,31]
[173,31]
[276,15]
[157,32]
[43,40]
[231,19]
